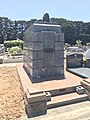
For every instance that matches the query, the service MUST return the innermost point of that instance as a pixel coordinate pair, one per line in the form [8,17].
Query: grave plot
[82,72]
[11,96]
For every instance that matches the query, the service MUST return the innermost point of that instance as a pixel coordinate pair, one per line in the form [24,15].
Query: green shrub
[14,50]
[13,43]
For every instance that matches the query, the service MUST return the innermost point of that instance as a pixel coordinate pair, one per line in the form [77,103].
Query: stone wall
[44,51]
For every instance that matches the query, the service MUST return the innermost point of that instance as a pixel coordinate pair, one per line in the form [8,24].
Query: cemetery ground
[12,103]
[11,96]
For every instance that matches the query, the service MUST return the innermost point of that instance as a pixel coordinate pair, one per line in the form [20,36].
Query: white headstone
[87,54]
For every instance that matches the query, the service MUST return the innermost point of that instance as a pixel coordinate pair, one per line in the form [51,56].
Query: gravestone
[87,55]
[74,60]
[44,51]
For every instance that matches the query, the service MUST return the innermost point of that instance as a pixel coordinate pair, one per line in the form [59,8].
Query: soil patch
[11,96]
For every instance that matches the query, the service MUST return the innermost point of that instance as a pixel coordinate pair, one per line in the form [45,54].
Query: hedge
[13,43]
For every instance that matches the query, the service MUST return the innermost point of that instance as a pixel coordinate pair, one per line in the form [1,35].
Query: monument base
[48,78]
[35,104]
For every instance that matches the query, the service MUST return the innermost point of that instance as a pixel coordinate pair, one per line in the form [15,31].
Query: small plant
[14,50]
[78,43]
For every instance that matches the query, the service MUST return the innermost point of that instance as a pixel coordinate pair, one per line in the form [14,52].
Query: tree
[70,34]
[46,18]
[73,30]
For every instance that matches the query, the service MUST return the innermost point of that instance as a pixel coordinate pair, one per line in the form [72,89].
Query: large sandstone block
[40,55]
[40,37]
[51,71]
[59,45]
[86,84]
[59,54]
[48,39]
[36,109]
[33,55]
[35,97]
[61,36]
[34,37]
[37,72]
[37,46]
[59,62]
[37,63]
[59,70]
[37,37]
[48,36]
[30,45]
[48,60]
[57,37]
[35,104]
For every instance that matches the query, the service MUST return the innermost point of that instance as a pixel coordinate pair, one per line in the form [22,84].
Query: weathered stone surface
[37,73]
[34,37]
[40,55]
[62,37]
[36,109]
[40,37]
[57,37]
[59,62]
[59,45]
[1,60]
[46,27]
[37,63]
[88,63]
[86,84]
[48,59]
[35,104]
[37,46]
[48,39]
[44,51]
[74,60]
[35,97]
[59,70]
[33,55]
[59,54]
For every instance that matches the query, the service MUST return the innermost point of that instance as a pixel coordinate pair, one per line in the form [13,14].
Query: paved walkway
[78,111]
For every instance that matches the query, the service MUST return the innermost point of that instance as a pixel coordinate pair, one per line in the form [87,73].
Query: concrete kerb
[86,84]
[35,100]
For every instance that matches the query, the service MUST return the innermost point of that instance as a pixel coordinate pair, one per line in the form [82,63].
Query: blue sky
[30,9]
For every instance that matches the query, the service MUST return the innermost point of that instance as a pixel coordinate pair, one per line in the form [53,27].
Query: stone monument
[44,51]
[87,56]
[74,60]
